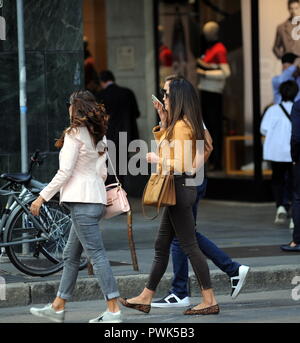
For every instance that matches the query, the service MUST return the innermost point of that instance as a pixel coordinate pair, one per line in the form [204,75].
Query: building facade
[126,37]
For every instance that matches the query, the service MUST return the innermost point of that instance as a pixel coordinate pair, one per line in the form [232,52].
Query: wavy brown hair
[86,112]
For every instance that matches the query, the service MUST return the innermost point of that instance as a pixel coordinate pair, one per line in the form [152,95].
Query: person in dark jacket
[294,245]
[121,105]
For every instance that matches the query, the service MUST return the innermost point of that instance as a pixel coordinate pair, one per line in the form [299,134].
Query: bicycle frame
[19,201]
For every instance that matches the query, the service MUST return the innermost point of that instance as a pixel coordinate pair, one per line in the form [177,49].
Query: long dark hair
[86,112]
[184,105]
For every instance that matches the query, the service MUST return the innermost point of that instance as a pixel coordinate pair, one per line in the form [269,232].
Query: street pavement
[261,307]
[246,231]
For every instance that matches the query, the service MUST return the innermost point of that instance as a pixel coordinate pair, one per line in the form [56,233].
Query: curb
[259,279]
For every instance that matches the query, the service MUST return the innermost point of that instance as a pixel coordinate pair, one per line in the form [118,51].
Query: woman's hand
[151,157]
[163,114]
[36,205]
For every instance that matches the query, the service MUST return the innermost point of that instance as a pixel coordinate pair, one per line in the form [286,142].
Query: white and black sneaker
[237,282]
[281,215]
[171,300]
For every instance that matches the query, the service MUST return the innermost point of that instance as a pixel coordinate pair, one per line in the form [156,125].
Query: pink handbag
[116,193]
[119,201]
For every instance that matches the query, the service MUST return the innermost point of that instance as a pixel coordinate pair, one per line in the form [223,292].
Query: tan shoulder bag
[159,192]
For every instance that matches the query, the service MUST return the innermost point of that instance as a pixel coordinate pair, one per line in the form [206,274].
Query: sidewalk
[244,230]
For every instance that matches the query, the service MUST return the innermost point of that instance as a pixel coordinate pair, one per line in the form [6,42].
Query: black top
[121,105]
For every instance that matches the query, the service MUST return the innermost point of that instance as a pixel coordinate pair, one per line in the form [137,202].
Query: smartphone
[154,99]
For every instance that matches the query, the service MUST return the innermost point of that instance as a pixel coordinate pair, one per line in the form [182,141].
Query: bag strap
[158,205]
[285,112]
[113,169]
[143,207]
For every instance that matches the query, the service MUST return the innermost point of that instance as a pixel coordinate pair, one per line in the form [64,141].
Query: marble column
[54,63]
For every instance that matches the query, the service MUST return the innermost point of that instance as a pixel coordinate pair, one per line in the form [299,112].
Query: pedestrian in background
[290,71]
[80,180]
[277,129]
[90,71]
[121,106]
[294,245]
[181,121]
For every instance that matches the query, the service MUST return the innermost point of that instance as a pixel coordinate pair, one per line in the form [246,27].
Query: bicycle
[34,245]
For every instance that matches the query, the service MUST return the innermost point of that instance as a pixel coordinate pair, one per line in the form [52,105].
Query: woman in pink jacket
[80,180]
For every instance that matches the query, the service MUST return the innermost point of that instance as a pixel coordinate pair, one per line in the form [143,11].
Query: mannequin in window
[213,70]
[165,57]
[284,41]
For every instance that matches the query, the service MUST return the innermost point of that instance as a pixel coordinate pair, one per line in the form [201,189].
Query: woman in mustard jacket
[181,124]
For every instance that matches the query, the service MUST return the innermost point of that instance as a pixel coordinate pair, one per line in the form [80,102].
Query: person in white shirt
[80,180]
[276,127]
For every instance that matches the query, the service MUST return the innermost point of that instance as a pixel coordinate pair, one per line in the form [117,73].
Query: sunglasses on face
[164,93]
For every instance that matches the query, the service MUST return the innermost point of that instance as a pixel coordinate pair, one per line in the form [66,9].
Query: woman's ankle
[147,295]
[113,306]
[59,304]
[58,307]
[208,297]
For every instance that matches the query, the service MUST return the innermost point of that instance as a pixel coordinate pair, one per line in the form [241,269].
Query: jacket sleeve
[104,173]
[286,75]
[158,132]
[68,159]
[102,169]
[182,146]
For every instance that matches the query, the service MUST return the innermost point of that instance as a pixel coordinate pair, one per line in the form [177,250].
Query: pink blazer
[82,172]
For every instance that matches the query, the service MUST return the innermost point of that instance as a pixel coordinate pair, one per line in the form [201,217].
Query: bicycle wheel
[45,257]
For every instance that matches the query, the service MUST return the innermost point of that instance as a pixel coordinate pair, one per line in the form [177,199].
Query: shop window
[182,42]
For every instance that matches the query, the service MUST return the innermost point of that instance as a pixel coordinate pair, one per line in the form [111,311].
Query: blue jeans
[209,249]
[85,235]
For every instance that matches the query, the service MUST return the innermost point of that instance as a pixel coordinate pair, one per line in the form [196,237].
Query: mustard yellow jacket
[178,154]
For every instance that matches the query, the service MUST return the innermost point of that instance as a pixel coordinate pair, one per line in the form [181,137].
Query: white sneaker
[171,300]
[237,282]
[49,313]
[292,225]
[108,317]
[281,215]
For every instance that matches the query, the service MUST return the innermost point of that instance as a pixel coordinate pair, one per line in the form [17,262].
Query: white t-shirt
[278,129]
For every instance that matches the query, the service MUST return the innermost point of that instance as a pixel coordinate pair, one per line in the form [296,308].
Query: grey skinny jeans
[85,234]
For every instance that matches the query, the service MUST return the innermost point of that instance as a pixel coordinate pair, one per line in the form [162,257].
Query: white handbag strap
[113,169]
